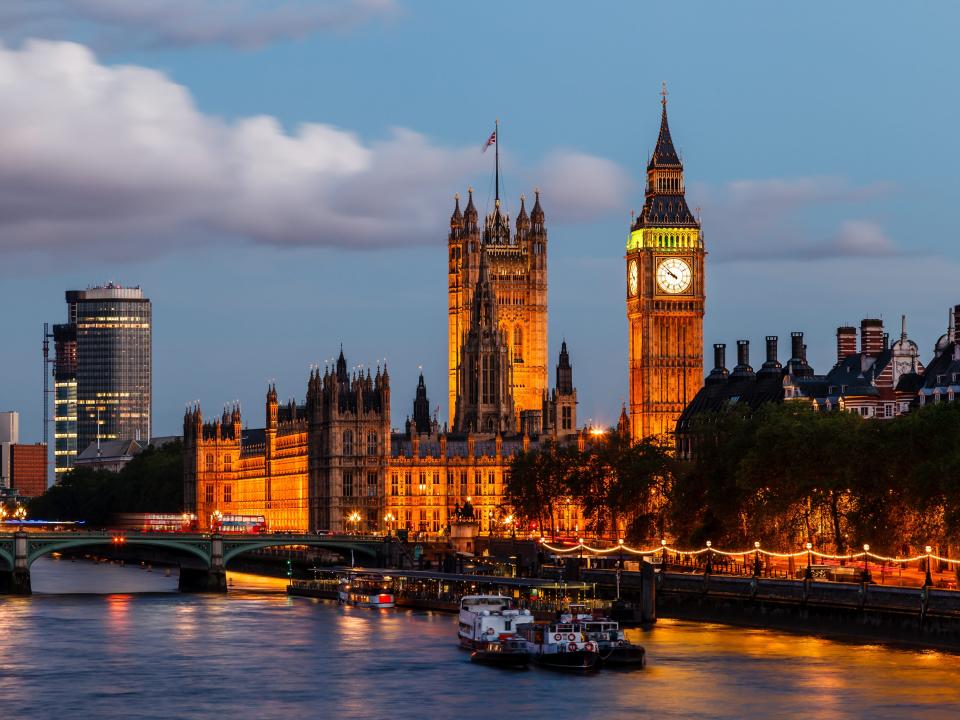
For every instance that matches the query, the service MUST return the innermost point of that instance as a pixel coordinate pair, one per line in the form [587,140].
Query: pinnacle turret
[456,220]
[664,154]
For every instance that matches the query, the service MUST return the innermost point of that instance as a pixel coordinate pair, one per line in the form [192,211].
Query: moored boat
[365,591]
[561,647]
[612,646]
[486,618]
[507,652]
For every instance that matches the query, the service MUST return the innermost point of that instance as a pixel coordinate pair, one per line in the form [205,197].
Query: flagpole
[496,149]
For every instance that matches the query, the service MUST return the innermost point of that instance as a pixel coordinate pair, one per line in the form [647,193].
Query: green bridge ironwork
[211,551]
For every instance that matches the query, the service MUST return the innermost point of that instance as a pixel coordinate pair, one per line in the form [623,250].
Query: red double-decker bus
[254,524]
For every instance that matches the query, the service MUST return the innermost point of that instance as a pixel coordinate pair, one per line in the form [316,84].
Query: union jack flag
[490,140]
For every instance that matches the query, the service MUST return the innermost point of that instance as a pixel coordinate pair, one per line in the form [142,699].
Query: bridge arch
[7,556]
[230,550]
[40,548]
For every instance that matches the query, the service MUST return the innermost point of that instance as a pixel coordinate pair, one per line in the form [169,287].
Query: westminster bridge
[204,556]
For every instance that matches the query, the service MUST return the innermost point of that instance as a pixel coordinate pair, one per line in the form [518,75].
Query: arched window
[227,462]
[371,443]
[209,462]
[518,344]
[348,442]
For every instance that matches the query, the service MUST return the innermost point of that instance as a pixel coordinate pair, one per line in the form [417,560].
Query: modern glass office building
[103,372]
[64,397]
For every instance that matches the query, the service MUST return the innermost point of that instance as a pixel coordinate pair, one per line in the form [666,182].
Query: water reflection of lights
[118,612]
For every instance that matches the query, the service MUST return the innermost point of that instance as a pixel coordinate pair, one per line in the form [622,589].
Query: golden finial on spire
[663,93]
[456,196]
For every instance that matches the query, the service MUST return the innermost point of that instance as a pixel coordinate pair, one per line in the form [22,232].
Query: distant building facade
[109,455]
[879,380]
[28,469]
[9,435]
[102,371]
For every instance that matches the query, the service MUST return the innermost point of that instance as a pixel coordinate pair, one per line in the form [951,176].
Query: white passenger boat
[487,618]
[365,591]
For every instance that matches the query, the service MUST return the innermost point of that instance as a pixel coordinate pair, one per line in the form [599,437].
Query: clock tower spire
[665,295]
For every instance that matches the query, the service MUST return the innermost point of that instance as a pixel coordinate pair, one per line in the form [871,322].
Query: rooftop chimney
[719,372]
[772,365]
[743,368]
[956,323]
[798,361]
[846,342]
[871,336]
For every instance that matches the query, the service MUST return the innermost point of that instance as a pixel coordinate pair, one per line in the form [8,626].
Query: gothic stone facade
[518,275]
[665,297]
[333,463]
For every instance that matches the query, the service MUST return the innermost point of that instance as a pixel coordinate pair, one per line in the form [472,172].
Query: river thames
[146,651]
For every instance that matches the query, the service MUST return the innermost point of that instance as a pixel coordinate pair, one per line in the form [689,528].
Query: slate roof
[664,154]
[110,449]
[751,390]
[943,366]
[669,210]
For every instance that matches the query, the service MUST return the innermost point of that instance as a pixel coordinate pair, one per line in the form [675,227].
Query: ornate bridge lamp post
[866,549]
[354,517]
[756,559]
[389,519]
[709,568]
[928,580]
[3,513]
[663,560]
[809,571]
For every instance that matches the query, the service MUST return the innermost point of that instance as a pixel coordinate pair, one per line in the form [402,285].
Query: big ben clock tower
[665,296]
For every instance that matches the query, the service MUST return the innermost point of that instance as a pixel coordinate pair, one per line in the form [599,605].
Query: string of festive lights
[664,547]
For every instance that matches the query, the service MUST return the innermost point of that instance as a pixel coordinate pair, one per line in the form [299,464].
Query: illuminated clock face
[633,278]
[674,275]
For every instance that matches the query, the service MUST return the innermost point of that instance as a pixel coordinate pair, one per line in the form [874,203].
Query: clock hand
[672,275]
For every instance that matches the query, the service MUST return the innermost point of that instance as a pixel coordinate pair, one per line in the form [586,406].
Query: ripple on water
[259,654]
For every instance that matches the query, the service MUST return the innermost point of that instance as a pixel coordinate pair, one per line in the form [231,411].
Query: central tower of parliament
[517,277]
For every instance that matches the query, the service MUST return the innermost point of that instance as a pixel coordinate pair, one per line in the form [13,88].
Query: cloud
[580,185]
[804,218]
[118,161]
[181,23]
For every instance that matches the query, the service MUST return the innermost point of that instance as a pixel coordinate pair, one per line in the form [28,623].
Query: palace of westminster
[334,463]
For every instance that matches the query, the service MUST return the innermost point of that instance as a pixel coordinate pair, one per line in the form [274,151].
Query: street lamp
[663,561]
[354,517]
[809,573]
[388,519]
[756,558]
[709,568]
[928,581]
[866,549]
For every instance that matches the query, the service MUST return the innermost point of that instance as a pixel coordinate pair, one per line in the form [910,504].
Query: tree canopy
[151,482]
